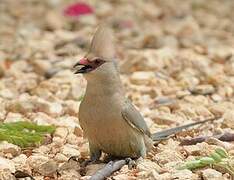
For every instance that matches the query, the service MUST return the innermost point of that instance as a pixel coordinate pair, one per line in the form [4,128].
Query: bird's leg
[109,158]
[131,163]
[95,154]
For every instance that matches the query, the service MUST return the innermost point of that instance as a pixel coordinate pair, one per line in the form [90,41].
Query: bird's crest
[102,44]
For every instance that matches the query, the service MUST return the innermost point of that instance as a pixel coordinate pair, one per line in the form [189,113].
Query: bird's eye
[97,61]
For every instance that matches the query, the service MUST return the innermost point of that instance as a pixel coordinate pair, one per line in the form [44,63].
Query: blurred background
[149,24]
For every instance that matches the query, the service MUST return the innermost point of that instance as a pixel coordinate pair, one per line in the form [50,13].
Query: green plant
[218,159]
[24,133]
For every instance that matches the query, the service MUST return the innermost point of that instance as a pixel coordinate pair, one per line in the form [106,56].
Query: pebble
[48,168]
[69,150]
[36,160]
[61,132]
[203,89]
[229,119]
[147,165]
[7,164]
[142,77]
[208,174]
[6,147]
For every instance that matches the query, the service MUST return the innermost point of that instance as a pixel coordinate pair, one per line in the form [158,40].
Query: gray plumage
[110,121]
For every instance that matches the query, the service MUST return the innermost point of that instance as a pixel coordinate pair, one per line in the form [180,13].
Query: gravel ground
[176,62]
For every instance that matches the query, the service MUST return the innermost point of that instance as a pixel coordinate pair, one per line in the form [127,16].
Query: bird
[110,122]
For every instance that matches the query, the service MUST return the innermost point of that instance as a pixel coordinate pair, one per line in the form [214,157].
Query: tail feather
[158,136]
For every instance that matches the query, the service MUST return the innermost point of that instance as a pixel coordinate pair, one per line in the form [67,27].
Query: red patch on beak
[84,61]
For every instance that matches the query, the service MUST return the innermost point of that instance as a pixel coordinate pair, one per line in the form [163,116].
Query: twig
[222,137]
[110,168]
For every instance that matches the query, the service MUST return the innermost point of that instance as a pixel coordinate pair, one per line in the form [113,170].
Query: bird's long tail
[158,136]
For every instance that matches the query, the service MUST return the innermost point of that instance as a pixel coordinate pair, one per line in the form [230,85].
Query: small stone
[6,174]
[56,109]
[13,117]
[164,101]
[48,168]
[7,94]
[41,118]
[88,20]
[23,105]
[53,109]
[71,107]
[167,156]
[147,165]
[148,175]
[7,164]
[221,107]
[69,150]
[166,119]
[192,150]
[226,145]
[57,141]
[41,66]
[53,20]
[184,174]
[181,94]
[84,150]
[43,149]
[61,132]
[142,77]
[165,176]
[59,157]
[36,160]
[229,119]
[121,177]
[208,174]
[20,161]
[203,89]
[72,139]
[216,97]
[70,174]
[67,121]
[6,147]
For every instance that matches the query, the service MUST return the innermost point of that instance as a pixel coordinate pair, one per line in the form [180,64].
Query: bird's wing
[134,118]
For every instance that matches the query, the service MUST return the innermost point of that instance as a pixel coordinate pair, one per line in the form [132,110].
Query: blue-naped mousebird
[109,120]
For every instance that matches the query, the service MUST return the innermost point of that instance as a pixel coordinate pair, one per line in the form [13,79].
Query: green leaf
[23,133]
[222,152]
[207,160]
[216,156]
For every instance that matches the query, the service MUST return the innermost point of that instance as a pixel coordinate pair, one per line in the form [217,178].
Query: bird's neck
[105,82]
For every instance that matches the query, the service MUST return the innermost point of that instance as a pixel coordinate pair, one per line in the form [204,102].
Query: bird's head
[101,52]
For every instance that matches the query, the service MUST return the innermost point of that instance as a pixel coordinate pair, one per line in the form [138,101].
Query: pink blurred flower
[78,9]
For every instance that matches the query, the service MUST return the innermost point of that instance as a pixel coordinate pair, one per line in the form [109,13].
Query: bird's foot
[82,161]
[109,158]
[75,158]
[131,163]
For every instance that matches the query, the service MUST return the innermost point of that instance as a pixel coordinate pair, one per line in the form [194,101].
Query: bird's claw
[131,163]
[75,158]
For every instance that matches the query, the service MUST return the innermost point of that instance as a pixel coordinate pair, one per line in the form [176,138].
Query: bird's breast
[98,114]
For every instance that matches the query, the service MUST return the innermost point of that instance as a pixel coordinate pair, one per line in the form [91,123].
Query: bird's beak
[83,66]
